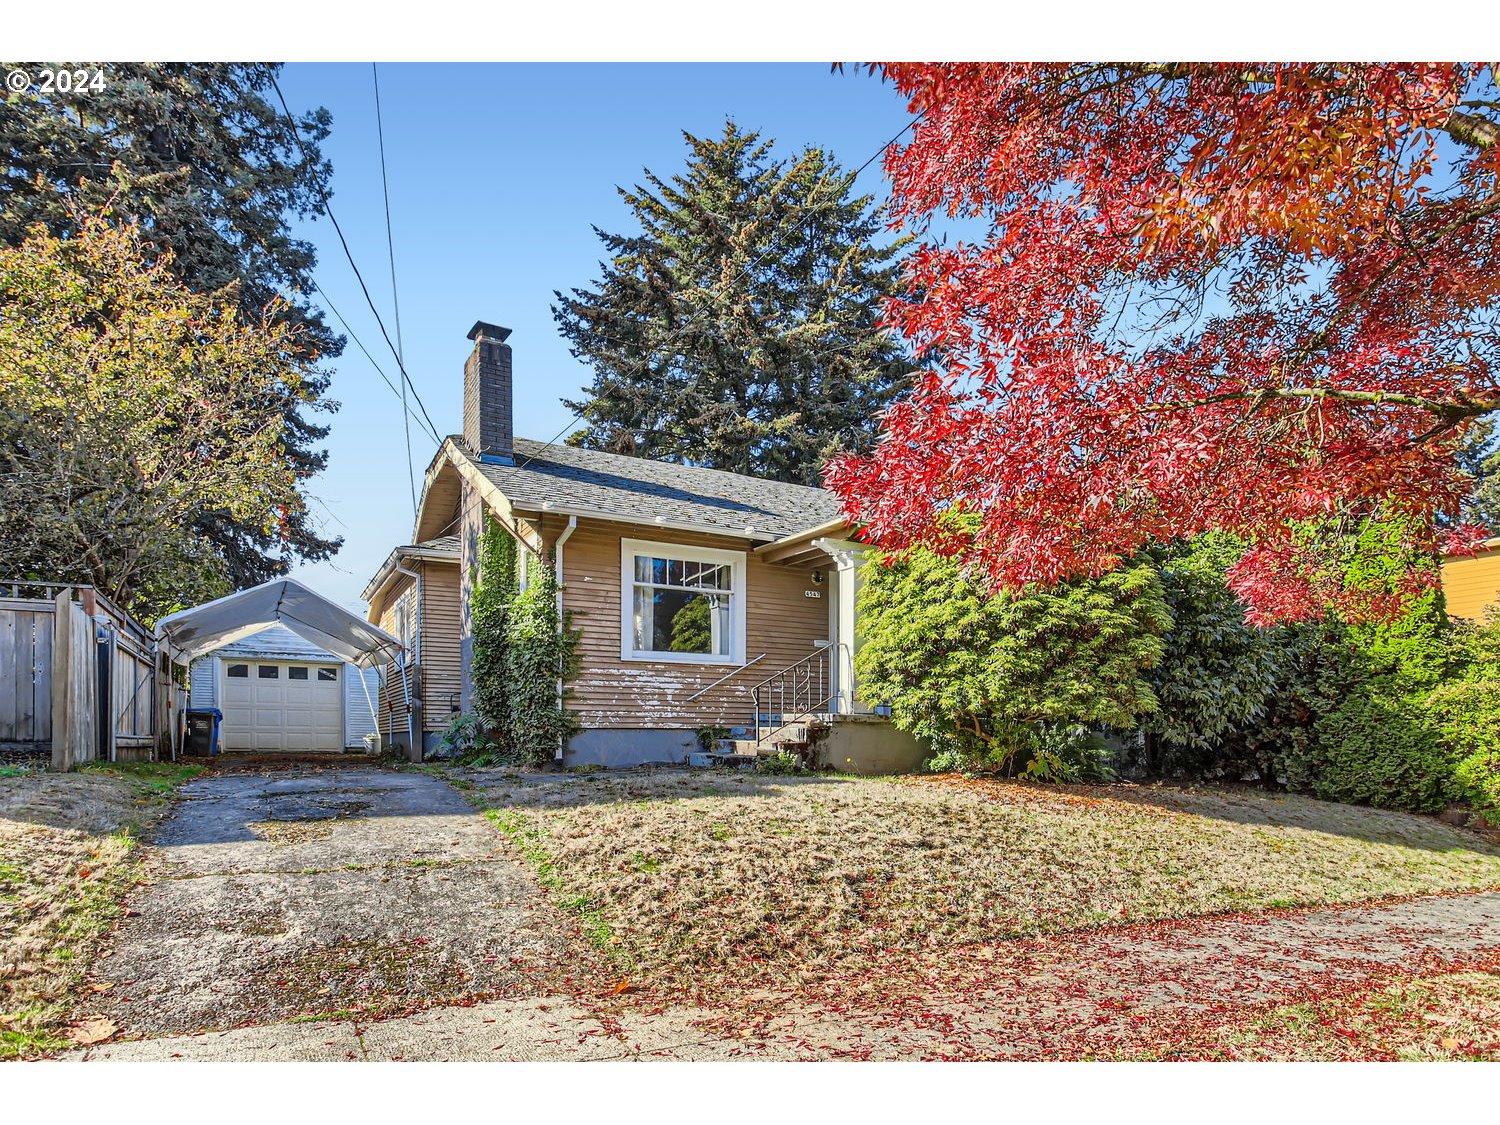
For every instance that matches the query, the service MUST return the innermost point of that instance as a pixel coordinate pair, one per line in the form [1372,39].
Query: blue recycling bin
[202,738]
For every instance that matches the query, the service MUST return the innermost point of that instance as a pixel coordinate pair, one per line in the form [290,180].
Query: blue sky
[497,173]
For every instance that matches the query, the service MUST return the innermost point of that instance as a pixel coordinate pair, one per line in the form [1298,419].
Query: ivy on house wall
[522,649]
[495,588]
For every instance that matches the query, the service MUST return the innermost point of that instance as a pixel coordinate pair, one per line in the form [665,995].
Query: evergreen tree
[739,328]
[1480,458]
[203,158]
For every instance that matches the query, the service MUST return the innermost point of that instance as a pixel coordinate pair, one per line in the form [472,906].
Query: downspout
[413,747]
[557,575]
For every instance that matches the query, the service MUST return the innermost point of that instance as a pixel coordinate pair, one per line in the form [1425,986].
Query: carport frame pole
[370,703]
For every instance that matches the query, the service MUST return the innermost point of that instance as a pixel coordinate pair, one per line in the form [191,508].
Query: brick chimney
[489,430]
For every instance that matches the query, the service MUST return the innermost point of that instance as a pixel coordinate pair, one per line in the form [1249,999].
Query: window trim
[738,596]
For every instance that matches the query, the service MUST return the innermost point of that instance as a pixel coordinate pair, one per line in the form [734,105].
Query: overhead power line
[324,298]
[344,242]
[390,245]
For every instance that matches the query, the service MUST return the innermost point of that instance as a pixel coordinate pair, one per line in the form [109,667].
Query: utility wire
[344,242]
[390,245]
[808,212]
[323,297]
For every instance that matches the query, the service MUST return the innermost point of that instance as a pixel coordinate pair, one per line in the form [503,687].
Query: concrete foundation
[859,744]
[620,749]
[868,745]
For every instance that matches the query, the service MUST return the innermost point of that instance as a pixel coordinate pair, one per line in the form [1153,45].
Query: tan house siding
[781,624]
[442,675]
[1471,585]
[392,702]
[437,676]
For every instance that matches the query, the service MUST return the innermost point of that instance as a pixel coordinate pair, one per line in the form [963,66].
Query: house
[279,692]
[1471,583]
[704,599]
[414,596]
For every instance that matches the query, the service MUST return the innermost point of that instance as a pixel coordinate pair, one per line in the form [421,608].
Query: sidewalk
[1100,994]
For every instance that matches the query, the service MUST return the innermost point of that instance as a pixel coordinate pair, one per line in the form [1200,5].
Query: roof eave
[749,531]
[387,572]
[821,531]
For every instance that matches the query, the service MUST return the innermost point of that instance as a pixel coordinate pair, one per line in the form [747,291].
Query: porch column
[847,558]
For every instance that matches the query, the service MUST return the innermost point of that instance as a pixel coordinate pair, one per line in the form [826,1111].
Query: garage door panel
[283,712]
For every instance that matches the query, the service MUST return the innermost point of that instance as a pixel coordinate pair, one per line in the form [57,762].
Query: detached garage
[290,670]
[278,692]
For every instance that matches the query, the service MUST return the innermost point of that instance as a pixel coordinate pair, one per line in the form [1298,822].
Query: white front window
[681,603]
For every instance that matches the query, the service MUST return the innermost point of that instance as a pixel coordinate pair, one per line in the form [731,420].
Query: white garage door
[282,705]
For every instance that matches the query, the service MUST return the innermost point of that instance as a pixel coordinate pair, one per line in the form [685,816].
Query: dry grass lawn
[66,859]
[694,878]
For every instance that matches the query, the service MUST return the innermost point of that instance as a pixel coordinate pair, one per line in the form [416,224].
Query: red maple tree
[1256,297]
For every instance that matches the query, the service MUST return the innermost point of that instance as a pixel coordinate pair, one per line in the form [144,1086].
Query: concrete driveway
[346,891]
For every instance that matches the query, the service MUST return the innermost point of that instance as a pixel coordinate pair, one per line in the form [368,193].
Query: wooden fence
[78,677]
[25,670]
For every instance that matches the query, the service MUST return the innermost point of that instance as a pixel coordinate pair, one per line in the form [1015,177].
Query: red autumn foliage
[1249,297]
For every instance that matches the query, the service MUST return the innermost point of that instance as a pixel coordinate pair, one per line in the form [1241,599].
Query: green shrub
[975,674]
[1379,750]
[1070,754]
[1466,716]
[461,736]
[783,763]
[1217,672]
[1409,650]
[1476,647]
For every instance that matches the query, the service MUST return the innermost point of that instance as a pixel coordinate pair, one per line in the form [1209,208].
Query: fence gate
[78,676]
[25,673]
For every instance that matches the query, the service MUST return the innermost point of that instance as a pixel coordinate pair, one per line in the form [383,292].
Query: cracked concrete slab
[405,900]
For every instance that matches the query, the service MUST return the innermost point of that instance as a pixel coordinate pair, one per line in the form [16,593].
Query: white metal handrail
[727,676]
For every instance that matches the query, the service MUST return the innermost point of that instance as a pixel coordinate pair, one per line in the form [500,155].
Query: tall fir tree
[740,328]
[1480,458]
[203,158]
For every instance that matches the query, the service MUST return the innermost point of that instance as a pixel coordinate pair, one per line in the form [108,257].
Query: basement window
[682,604]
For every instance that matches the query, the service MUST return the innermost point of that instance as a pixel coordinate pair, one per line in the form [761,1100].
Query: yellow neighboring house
[1471,583]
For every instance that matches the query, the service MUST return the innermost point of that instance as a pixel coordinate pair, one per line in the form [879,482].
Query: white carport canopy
[192,632]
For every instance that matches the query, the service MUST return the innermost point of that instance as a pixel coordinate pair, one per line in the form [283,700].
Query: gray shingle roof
[441,543]
[639,490]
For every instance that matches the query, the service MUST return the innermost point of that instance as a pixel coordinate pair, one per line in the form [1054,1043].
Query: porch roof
[445,548]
